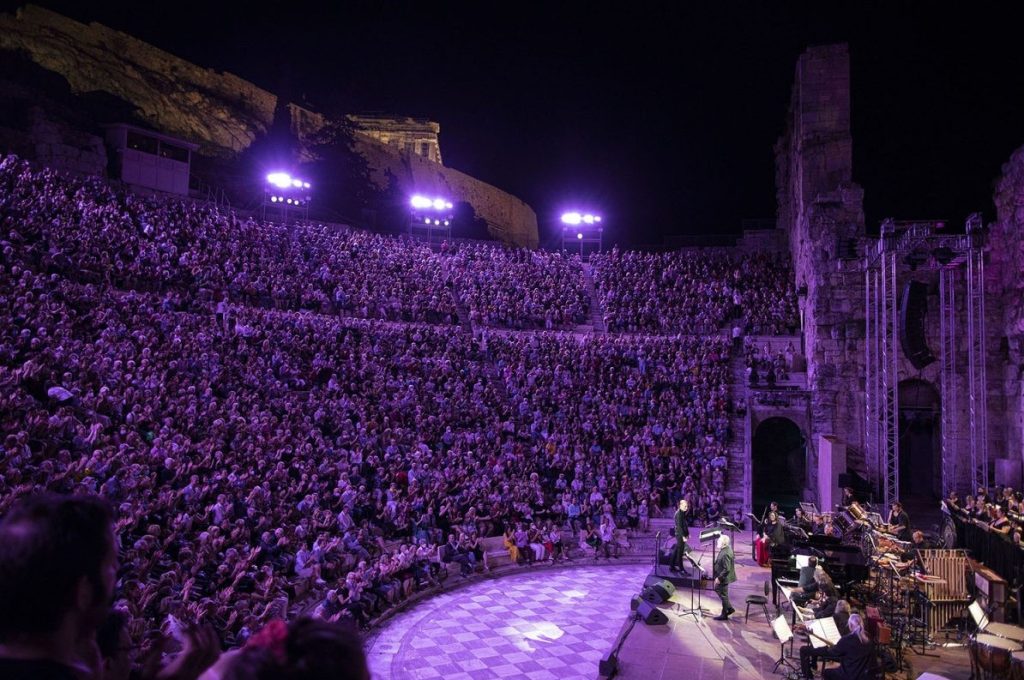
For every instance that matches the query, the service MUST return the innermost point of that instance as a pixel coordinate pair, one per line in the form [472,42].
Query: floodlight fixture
[572,218]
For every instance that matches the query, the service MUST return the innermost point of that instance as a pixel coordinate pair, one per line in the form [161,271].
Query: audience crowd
[695,291]
[283,422]
[519,288]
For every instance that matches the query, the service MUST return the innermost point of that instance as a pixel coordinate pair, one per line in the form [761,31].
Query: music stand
[696,612]
[784,633]
[755,530]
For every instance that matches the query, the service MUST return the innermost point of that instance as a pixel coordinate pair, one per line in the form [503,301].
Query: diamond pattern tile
[541,626]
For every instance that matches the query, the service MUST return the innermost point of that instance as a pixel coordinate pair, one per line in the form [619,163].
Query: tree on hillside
[342,175]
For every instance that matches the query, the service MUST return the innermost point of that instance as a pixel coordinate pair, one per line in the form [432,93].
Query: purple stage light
[282,180]
[572,218]
[420,202]
[579,236]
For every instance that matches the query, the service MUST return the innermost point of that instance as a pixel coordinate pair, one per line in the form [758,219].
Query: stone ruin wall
[1006,288]
[219,111]
[819,205]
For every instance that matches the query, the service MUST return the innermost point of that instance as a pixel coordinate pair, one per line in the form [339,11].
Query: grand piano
[846,564]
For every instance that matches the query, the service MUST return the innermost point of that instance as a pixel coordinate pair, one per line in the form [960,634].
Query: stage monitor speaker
[651,615]
[657,590]
[913,309]
[608,666]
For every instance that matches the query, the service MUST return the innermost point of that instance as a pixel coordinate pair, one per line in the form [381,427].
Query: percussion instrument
[1006,631]
[992,591]
[1017,666]
[948,596]
[858,512]
[992,655]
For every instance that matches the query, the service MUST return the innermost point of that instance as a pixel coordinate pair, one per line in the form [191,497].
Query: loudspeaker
[914,307]
[651,615]
[608,666]
[657,590]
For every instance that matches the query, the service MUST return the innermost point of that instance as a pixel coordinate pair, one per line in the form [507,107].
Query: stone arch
[780,462]
[920,444]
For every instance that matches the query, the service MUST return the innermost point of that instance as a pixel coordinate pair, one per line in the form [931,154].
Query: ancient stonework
[219,111]
[414,136]
[1006,252]
[818,204]
[820,208]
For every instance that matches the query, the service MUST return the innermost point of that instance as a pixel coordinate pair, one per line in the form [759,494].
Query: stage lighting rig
[431,215]
[583,228]
[286,193]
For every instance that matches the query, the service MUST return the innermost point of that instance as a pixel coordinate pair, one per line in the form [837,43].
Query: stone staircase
[462,310]
[596,310]
[738,471]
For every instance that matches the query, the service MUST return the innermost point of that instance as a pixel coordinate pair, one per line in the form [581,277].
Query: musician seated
[803,521]
[854,652]
[918,541]
[808,652]
[899,521]
[807,586]
[849,498]
[824,604]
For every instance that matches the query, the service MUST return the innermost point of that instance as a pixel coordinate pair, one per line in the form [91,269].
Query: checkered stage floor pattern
[550,625]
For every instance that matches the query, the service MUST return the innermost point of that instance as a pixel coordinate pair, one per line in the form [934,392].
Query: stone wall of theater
[820,208]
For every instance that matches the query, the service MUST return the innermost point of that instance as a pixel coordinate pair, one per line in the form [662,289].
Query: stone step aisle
[738,470]
[462,310]
[596,310]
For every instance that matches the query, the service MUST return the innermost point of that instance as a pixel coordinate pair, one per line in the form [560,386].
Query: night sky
[661,118]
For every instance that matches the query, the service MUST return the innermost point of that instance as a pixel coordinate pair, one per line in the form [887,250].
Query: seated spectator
[58,566]
[306,649]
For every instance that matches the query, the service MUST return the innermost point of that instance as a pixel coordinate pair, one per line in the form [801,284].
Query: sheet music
[801,613]
[978,614]
[786,590]
[782,629]
[823,628]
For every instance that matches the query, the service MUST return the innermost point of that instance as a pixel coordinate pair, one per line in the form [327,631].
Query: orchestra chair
[758,601]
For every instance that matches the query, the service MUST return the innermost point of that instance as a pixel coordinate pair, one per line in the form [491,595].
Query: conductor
[682,530]
[725,573]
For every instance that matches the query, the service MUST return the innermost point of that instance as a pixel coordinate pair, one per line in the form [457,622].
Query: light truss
[950,254]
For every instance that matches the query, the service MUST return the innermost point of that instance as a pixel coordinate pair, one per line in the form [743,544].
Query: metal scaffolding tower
[917,246]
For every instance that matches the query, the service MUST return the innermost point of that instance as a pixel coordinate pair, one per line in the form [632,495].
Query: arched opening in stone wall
[920,445]
[779,460]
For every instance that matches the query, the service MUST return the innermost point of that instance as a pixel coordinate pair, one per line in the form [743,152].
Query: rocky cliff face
[219,111]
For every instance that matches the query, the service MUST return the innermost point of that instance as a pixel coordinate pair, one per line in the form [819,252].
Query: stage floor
[707,649]
[558,624]
[540,625]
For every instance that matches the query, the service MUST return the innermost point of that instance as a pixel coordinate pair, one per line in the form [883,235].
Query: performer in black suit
[682,529]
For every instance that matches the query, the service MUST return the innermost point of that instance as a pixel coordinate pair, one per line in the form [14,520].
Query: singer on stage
[725,573]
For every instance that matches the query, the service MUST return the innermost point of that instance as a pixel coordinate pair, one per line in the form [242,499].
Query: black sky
[663,117]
